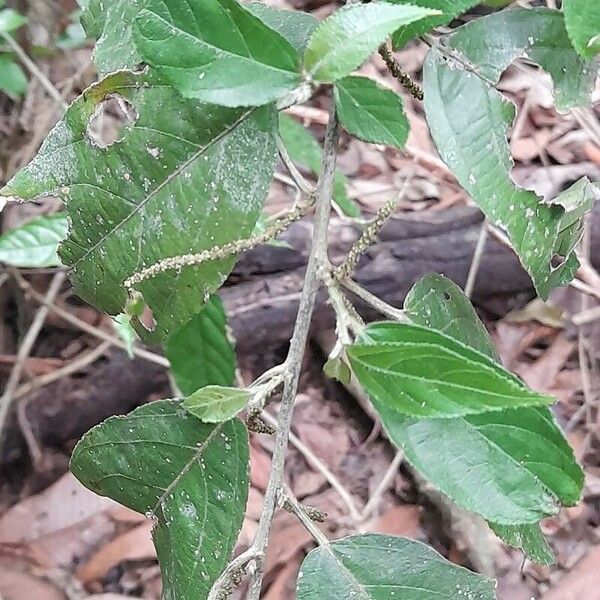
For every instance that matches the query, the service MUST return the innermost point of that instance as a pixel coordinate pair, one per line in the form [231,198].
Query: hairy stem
[318,257]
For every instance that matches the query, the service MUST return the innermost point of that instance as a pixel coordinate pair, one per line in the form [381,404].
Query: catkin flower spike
[220,252]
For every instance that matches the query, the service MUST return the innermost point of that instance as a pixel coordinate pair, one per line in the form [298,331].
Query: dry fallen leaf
[582,582]
[17,583]
[398,520]
[136,544]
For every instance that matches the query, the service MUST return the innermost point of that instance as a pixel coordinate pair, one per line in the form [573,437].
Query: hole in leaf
[557,260]
[446,296]
[147,319]
[110,121]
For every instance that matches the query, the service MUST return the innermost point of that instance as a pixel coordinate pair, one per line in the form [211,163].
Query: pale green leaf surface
[306,151]
[382,567]
[110,22]
[473,144]
[10,20]
[34,244]
[215,403]
[437,302]
[492,43]
[216,51]
[200,352]
[582,18]
[424,373]
[184,178]
[13,80]
[350,35]
[371,112]
[126,332]
[191,476]
[449,9]
[295,26]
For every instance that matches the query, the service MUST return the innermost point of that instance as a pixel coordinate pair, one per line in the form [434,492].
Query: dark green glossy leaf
[383,567]
[492,43]
[345,40]
[582,18]
[424,373]
[450,9]
[34,244]
[371,112]
[294,25]
[200,353]
[216,51]
[215,403]
[473,144]
[306,151]
[438,303]
[110,23]
[192,477]
[184,178]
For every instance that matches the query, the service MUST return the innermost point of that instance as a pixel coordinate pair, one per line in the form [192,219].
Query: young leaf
[192,477]
[13,80]
[34,244]
[215,403]
[528,469]
[345,40]
[381,567]
[449,9]
[110,23]
[200,352]
[424,373]
[371,112]
[184,178]
[306,151]
[437,302]
[528,538]
[582,18]
[538,34]
[10,20]
[216,51]
[469,121]
[294,25]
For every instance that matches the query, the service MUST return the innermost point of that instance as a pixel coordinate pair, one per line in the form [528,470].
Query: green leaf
[449,9]
[10,20]
[438,303]
[511,467]
[34,244]
[528,538]
[184,178]
[125,331]
[424,373]
[345,40]
[294,25]
[110,23]
[13,80]
[306,151]
[200,353]
[190,476]
[469,120]
[216,51]
[371,112]
[381,567]
[582,18]
[538,34]
[215,403]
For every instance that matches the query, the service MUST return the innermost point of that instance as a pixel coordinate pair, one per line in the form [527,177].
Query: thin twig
[298,178]
[288,497]
[26,347]
[35,71]
[372,300]
[384,484]
[316,261]
[83,326]
[476,260]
